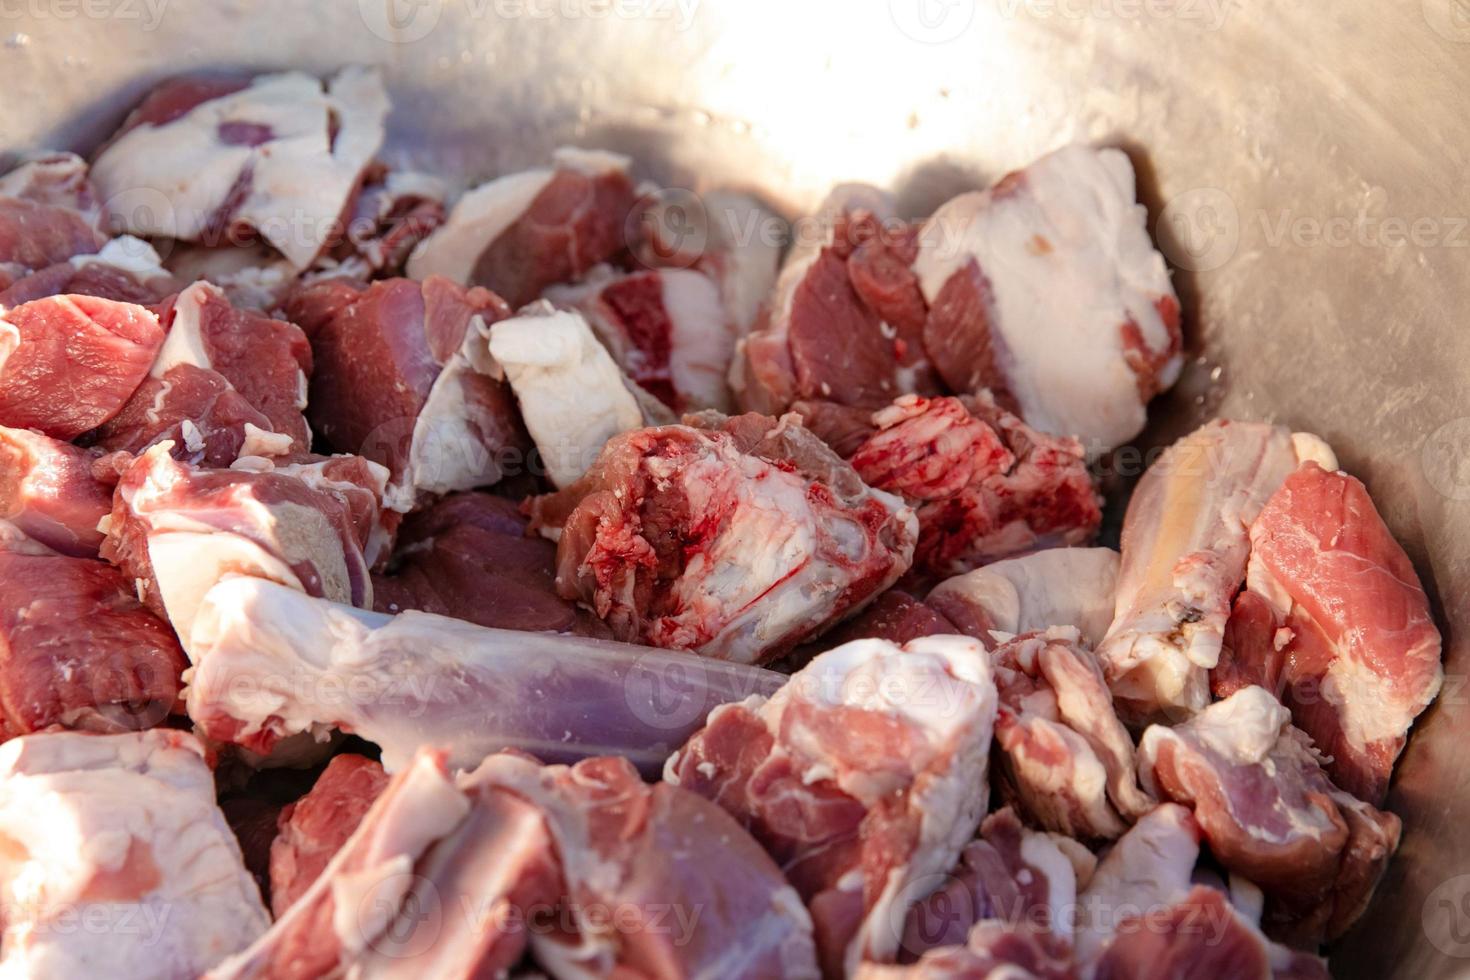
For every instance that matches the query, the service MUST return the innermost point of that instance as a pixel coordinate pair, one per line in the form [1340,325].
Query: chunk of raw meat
[694,895]
[126,269]
[1011,873]
[726,235]
[1184,550]
[1055,587]
[358,894]
[272,662]
[1270,813]
[1335,621]
[468,556]
[846,322]
[894,616]
[993,951]
[523,232]
[738,539]
[177,529]
[573,397]
[1145,915]
[667,328]
[56,179]
[1046,290]
[48,492]
[1067,757]
[48,213]
[404,377]
[120,832]
[227,383]
[69,363]
[314,828]
[864,777]
[392,213]
[985,485]
[77,649]
[229,161]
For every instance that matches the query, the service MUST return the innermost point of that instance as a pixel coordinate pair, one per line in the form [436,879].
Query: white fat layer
[1150,867]
[1314,449]
[185,341]
[128,254]
[75,807]
[1043,852]
[1069,262]
[173,180]
[741,233]
[261,442]
[1055,587]
[573,396]
[1242,729]
[476,221]
[449,450]
[702,342]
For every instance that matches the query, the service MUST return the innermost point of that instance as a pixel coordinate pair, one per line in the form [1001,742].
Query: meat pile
[534,582]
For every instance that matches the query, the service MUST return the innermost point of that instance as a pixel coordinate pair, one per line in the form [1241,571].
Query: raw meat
[523,232]
[1011,873]
[726,235]
[845,324]
[468,556]
[48,213]
[404,377]
[177,529]
[894,616]
[272,662]
[314,828]
[69,363]
[357,896]
[47,490]
[1184,551]
[667,328]
[1046,290]
[864,777]
[1270,813]
[656,880]
[229,161]
[573,397]
[1055,587]
[118,863]
[77,649]
[393,212]
[126,269]
[1145,916]
[737,539]
[1335,621]
[993,951]
[985,485]
[1067,757]
[227,383]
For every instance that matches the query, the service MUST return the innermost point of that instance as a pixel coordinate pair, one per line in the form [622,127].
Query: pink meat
[575,222]
[48,491]
[196,408]
[69,363]
[89,279]
[1335,620]
[314,828]
[739,540]
[895,616]
[1270,813]
[34,235]
[77,649]
[468,556]
[1067,757]
[993,949]
[985,485]
[860,786]
[385,222]
[379,350]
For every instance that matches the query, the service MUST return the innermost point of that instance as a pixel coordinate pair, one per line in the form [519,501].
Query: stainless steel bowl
[1308,166]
